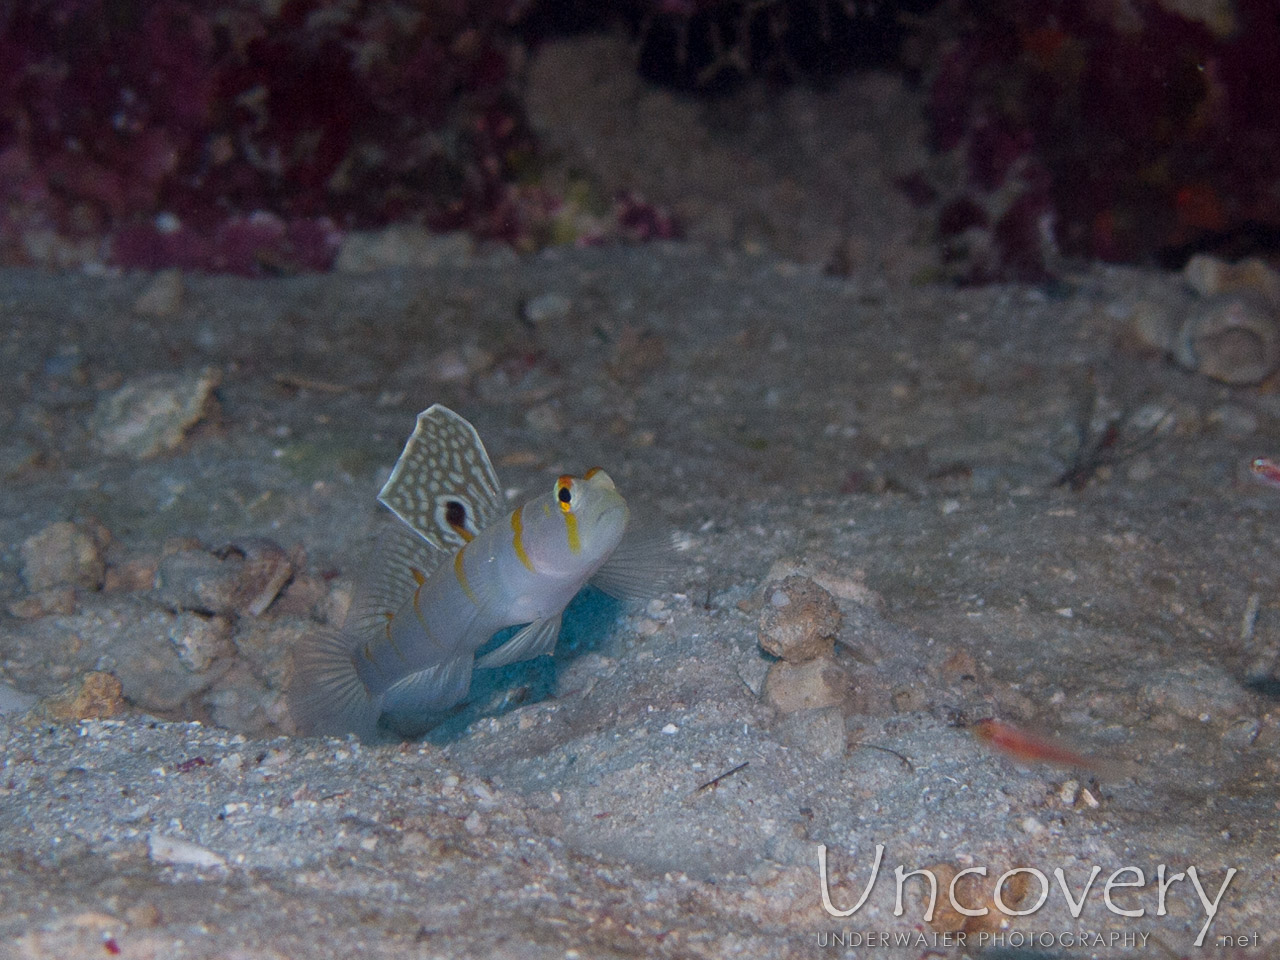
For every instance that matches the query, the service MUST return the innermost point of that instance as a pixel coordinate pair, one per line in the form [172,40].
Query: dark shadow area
[713,48]
[587,622]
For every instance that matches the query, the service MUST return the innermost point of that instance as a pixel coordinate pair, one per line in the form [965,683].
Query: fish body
[1025,746]
[456,572]
[1266,470]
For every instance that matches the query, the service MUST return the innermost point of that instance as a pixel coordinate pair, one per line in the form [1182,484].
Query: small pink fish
[1025,747]
[1266,470]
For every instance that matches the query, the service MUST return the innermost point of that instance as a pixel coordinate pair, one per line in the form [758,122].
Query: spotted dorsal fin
[443,486]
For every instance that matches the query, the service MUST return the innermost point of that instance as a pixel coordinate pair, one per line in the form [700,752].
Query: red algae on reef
[1128,130]
[246,137]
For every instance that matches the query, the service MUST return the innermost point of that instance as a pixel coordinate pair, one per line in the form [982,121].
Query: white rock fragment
[177,852]
[1068,792]
[547,306]
[199,640]
[62,553]
[486,799]
[459,365]
[150,415]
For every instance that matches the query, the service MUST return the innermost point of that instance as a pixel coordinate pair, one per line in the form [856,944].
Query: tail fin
[327,697]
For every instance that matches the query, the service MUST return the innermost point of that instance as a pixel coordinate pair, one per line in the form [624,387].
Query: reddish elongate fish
[1266,470]
[1024,746]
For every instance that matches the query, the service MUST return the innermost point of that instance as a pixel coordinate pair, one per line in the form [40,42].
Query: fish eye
[564,493]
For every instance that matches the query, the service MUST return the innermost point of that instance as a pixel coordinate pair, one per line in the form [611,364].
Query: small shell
[1209,276]
[1232,338]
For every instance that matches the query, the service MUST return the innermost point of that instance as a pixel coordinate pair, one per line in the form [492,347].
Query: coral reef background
[252,137]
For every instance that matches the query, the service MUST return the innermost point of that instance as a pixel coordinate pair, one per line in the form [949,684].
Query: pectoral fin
[534,640]
[644,564]
[427,691]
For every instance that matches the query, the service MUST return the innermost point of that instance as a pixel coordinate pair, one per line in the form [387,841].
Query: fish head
[579,525]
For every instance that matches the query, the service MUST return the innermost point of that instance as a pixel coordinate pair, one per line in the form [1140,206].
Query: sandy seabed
[898,445]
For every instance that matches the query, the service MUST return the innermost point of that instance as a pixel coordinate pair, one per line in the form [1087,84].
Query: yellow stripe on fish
[517,539]
[460,574]
[389,670]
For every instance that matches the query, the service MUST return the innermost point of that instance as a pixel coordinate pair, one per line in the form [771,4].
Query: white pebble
[164,849]
[547,306]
